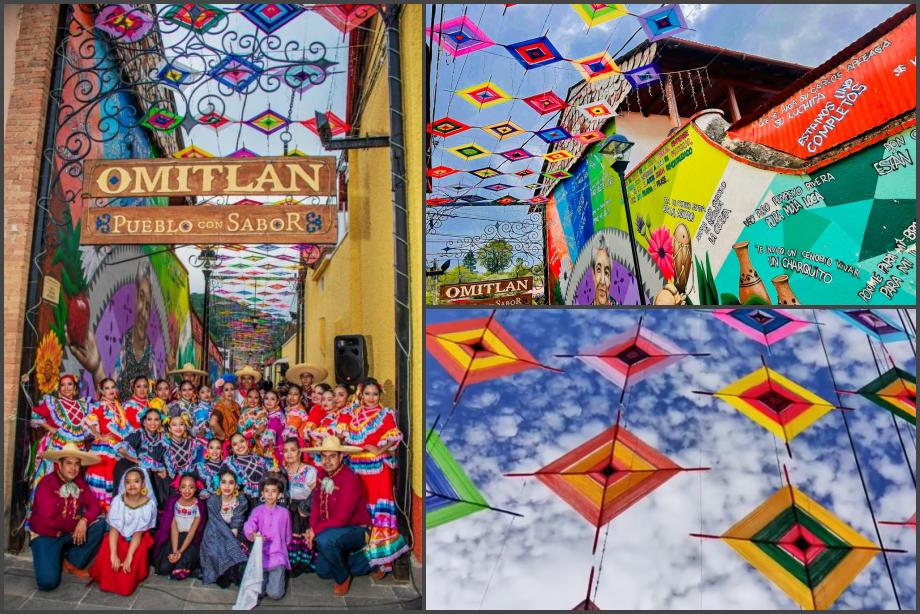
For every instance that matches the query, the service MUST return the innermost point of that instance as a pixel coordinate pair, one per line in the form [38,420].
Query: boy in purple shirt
[273,523]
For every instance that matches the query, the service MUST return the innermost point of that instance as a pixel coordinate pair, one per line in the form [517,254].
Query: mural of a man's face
[143,305]
[601,277]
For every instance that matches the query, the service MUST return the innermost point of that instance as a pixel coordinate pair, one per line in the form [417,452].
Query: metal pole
[547,290]
[400,236]
[206,330]
[632,236]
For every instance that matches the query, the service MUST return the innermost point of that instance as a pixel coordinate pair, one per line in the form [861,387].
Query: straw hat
[332,444]
[186,368]
[247,370]
[293,374]
[70,450]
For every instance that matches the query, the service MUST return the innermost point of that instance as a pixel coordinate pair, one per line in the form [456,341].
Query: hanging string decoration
[663,22]
[595,14]
[459,36]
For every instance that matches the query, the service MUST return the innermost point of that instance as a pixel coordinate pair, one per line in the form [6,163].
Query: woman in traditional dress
[295,414]
[108,423]
[63,419]
[301,480]
[208,468]
[185,404]
[123,559]
[337,416]
[250,469]
[201,414]
[139,448]
[225,415]
[136,407]
[253,414]
[162,391]
[224,549]
[317,411]
[373,428]
[178,452]
[274,415]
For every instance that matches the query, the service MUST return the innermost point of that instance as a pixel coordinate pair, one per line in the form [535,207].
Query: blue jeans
[48,554]
[340,553]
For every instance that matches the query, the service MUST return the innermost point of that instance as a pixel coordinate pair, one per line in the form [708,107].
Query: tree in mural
[495,255]
[469,261]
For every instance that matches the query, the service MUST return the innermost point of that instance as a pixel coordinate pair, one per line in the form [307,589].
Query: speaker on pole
[350,359]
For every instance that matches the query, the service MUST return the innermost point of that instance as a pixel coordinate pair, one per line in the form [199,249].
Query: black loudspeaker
[350,359]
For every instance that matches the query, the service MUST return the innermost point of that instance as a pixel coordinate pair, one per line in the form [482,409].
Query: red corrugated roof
[875,33]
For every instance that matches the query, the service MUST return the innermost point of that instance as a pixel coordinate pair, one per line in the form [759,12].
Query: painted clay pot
[750,283]
[784,294]
[683,257]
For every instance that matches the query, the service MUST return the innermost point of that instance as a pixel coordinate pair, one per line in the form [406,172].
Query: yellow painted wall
[352,291]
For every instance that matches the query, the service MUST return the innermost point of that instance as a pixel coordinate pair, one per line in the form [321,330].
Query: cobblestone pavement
[306,592]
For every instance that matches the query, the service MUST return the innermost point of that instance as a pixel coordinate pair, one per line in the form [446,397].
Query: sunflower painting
[48,363]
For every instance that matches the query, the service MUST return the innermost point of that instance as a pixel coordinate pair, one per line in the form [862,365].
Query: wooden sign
[278,176]
[508,299]
[281,224]
[449,292]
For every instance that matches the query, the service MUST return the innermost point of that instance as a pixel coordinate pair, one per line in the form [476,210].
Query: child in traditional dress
[250,468]
[224,551]
[301,479]
[272,522]
[139,448]
[179,534]
[178,452]
[275,415]
[201,414]
[208,468]
[123,558]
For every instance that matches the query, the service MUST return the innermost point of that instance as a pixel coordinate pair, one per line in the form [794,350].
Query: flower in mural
[659,246]
[48,363]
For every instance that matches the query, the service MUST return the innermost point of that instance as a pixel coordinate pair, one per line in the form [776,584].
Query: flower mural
[48,363]
[662,251]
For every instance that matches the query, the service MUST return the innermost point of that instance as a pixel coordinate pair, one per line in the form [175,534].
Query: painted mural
[722,231]
[713,227]
[123,310]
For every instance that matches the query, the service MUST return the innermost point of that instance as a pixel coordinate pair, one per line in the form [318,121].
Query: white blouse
[127,520]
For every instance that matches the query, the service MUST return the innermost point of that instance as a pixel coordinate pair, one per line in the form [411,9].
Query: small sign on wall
[51,290]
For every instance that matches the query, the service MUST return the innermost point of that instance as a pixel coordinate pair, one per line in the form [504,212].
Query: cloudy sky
[647,559]
[808,35]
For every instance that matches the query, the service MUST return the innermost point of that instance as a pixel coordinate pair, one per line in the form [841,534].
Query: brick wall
[23,142]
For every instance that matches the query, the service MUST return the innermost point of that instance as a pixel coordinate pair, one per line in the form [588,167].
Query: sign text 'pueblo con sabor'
[304,176]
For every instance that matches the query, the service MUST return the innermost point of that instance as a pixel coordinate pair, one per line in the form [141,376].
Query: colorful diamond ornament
[270,17]
[766,326]
[124,22]
[484,95]
[235,72]
[346,17]
[503,129]
[268,121]
[800,546]
[545,102]
[470,151]
[663,22]
[534,53]
[873,323]
[450,494]
[459,36]
[642,76]
[896,391]
[161,119]
[446,127]
[594,14]
[775,402]
[597,66]
[597,110]
[198,18]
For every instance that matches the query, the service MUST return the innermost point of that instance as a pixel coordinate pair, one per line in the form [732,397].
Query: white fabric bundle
[251,584]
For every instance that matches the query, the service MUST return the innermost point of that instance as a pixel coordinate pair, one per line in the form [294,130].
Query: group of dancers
[188,478]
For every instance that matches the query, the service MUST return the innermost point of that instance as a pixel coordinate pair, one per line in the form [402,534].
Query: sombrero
[247,370]
[293,374]
[186,368]
[70,450]
[332,444]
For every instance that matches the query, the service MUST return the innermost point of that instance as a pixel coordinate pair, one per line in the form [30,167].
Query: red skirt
[121,582]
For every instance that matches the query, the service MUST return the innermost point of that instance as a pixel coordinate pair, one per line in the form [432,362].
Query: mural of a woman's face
[601,276]
[142,315]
